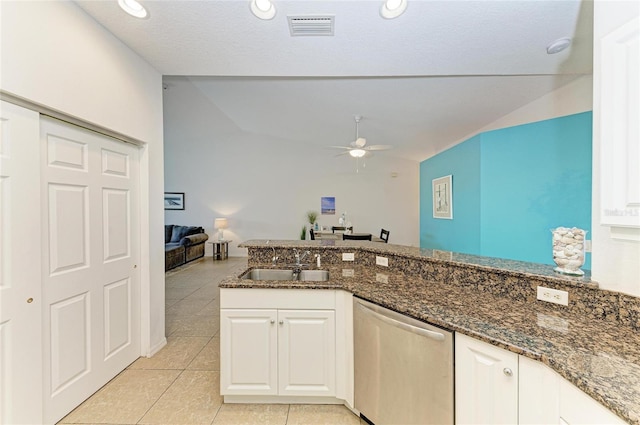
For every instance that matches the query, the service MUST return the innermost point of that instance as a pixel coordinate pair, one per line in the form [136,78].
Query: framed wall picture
[328,205]
[442,198]
[174,200]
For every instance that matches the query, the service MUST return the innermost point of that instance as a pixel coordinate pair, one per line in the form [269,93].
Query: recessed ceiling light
[393,8]
[263,9]
[133,8]
[558,45]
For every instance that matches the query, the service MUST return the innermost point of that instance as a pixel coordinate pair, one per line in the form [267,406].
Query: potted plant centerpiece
[312,216]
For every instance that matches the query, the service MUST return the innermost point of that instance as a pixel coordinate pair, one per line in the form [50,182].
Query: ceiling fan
[359,148]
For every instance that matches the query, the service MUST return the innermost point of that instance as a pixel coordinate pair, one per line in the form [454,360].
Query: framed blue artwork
[328,205]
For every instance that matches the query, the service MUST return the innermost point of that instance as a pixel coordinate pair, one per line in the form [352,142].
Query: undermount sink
[314,275]
[286,274]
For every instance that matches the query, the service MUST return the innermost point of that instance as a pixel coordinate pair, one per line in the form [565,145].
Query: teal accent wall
[510,187]
[462,234]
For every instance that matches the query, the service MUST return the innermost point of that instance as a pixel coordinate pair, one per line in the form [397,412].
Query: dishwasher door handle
[404,326]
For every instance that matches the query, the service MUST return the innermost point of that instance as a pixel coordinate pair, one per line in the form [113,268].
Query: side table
[220,250]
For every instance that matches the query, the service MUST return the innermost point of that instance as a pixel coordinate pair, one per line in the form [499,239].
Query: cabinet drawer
[310,299]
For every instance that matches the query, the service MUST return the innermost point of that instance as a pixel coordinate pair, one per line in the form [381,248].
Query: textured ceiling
[447,68]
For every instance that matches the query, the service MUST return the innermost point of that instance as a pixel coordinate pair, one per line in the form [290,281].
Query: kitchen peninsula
[594,342]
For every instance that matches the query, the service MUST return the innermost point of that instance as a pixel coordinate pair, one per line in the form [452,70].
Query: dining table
[327,235]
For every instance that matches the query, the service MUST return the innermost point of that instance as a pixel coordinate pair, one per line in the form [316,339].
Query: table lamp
[220,224]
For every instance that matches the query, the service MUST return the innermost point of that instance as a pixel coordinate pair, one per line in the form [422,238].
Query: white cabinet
[248,352]
[538,393]
[578,408]
[306,352]
[269,350]
[486,383]
[531,393]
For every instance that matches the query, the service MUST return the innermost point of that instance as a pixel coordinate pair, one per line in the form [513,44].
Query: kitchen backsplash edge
[510,279]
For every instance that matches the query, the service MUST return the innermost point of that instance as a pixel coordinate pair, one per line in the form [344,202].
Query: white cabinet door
[578,408]
[486,383]
[248,352]
[306,352]
[538,393]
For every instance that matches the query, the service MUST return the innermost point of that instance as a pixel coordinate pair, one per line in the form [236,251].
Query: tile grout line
[158,399]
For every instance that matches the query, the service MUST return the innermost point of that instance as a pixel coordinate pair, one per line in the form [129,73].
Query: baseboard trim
[262,399]
[157,347]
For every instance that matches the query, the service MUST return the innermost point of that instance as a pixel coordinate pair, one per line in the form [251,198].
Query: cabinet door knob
[507,371]
[281,322]
[29,300]
[273,321]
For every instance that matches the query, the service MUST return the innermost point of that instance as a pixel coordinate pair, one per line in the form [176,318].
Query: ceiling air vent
[311,25]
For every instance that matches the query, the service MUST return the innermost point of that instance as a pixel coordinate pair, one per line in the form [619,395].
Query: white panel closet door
[91,285]
[20,267]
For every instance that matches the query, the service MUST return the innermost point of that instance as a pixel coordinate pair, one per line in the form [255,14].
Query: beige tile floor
[181,383]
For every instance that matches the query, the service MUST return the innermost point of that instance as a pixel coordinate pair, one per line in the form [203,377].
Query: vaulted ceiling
[423,80]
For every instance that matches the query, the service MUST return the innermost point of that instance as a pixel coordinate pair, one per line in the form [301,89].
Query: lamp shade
[220,223]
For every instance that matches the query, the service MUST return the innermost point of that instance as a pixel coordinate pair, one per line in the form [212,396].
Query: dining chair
[357,237]
[384,235]
[312,235]
[341,228]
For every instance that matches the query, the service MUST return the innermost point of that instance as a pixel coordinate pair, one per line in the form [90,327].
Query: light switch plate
[382,261]
[348,256]
[553,295]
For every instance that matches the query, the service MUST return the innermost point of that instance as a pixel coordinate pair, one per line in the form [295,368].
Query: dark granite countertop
[599,357]
[514,267]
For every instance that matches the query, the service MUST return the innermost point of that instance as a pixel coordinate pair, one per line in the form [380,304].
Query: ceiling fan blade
[339,147]
[377,147]
[342,153]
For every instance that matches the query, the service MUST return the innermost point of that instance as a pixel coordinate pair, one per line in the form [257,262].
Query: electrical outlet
[348,256]
[382,261]
[553,295]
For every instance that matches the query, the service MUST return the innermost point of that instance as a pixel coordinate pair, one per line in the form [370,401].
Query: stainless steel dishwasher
[403,368]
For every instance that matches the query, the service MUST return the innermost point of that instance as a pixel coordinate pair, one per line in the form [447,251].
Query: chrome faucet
[297,256]
[274,259]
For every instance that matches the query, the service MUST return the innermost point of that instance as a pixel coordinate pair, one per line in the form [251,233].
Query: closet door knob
[507,371]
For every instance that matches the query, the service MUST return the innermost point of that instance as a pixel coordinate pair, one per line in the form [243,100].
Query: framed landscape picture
[442,198]
[328,205]
[174,200]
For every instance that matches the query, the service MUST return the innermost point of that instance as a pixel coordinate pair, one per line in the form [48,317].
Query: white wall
[615,263]
[569,99]
[266,186]
[53,54]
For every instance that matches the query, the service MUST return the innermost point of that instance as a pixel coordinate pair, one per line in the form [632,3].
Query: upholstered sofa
[182,244]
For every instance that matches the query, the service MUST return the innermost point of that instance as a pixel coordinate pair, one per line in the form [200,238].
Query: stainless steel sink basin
[268,274]
[286,274]
[314,275]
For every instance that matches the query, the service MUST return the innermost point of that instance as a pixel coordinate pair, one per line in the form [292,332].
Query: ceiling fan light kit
[357,153]
[358,148]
